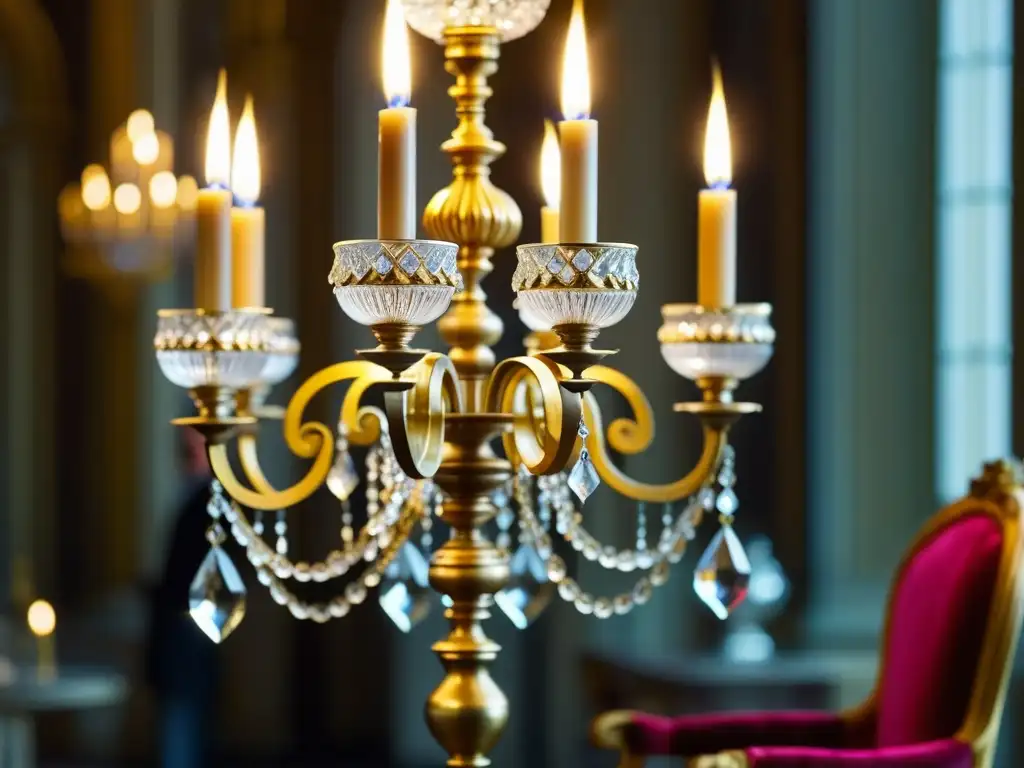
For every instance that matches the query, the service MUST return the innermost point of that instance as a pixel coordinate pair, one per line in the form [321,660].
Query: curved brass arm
[416,415]
[306,440]
[635,435]
[543,451]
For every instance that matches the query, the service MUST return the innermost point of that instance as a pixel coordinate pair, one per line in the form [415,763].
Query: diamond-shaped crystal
[528,590]
[383,264]
[216,598]
[723,573]
[405,592]
[602,267]
[434,260]
[342,478]
[567,275]
[556,265]
[582,260]
[583,479]
[409,262]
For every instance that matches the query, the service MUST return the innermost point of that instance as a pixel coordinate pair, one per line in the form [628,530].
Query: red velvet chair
[953,620]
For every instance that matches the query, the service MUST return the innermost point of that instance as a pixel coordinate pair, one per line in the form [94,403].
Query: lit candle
[716,210]
[42,621]
[213,211]
[396,151]
[550,184]
[578,134]
[247,219]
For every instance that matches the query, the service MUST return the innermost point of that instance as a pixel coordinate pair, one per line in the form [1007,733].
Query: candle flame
[95,187]
[717,147]
[218,137]
[245,163]
[551,167]
[576,68]
[395,57]
[42,619]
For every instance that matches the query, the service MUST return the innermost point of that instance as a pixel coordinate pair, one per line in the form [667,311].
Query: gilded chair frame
[998,493]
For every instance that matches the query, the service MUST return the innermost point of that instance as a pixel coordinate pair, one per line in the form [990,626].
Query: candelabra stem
[471,211]
[468,711]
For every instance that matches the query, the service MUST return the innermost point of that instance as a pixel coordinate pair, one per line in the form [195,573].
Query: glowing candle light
[716,210]
[550,184]
[42,621]
[213,211]
[248,222]
[578,133]
[396,150]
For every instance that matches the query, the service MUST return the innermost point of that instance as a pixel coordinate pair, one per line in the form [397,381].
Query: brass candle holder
[441,412]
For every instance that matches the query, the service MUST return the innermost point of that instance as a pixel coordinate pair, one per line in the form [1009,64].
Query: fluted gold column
[468,711]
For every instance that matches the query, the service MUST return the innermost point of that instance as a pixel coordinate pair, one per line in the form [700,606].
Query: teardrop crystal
[216,598]
[528,591]
[405,592]
[583,479]
[342,478]
[723,573]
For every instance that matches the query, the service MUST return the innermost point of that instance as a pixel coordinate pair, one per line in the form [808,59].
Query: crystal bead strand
[585,602]
[257,525]
[347,534]
[355,591]
[427,526]
[281,529]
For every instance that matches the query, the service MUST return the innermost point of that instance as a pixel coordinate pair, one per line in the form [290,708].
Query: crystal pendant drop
[342,477]
[583,479]
[528,591]
[405,592]
[216,598]
[723,573]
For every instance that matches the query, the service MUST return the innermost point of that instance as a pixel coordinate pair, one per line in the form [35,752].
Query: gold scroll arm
[543,451]
[634,435]
[310,440]
[416,415]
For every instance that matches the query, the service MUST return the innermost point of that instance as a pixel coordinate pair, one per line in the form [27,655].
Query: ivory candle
[396,148]
[42,621]
[551,183]
[578,140]
[213,211]
[248,221]
[716,210]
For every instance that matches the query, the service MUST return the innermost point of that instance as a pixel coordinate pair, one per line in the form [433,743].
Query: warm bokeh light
[551,167]
[245,162]
[42,619]
[717,146]
[576,68]
[188,193]
[146,149]
[395,61]
[95,187]
[218,138]
[127,199]
[140,123]
[163,189]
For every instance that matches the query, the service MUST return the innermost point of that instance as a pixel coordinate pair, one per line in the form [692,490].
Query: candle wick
[398,100]
[720,185]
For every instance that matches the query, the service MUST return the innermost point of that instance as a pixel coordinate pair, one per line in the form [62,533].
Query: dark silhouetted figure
[182,661]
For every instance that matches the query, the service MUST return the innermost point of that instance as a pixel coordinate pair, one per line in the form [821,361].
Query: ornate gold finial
[998,479]
[471,211]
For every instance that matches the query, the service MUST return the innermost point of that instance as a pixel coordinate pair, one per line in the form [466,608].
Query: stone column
[872,95]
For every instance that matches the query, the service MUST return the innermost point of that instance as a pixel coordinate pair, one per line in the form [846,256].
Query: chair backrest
[953,619]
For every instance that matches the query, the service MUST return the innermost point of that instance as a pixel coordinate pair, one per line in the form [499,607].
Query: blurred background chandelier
[429,432]
[130,220]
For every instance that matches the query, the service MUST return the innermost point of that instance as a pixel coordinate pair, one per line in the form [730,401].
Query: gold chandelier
[130,220]
[430,456]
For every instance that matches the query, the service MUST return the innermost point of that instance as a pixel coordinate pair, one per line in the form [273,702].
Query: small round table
[26,692]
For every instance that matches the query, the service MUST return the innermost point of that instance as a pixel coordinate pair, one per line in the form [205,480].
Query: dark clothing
[182,662]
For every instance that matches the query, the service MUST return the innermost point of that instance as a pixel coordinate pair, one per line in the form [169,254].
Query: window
[973,259]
